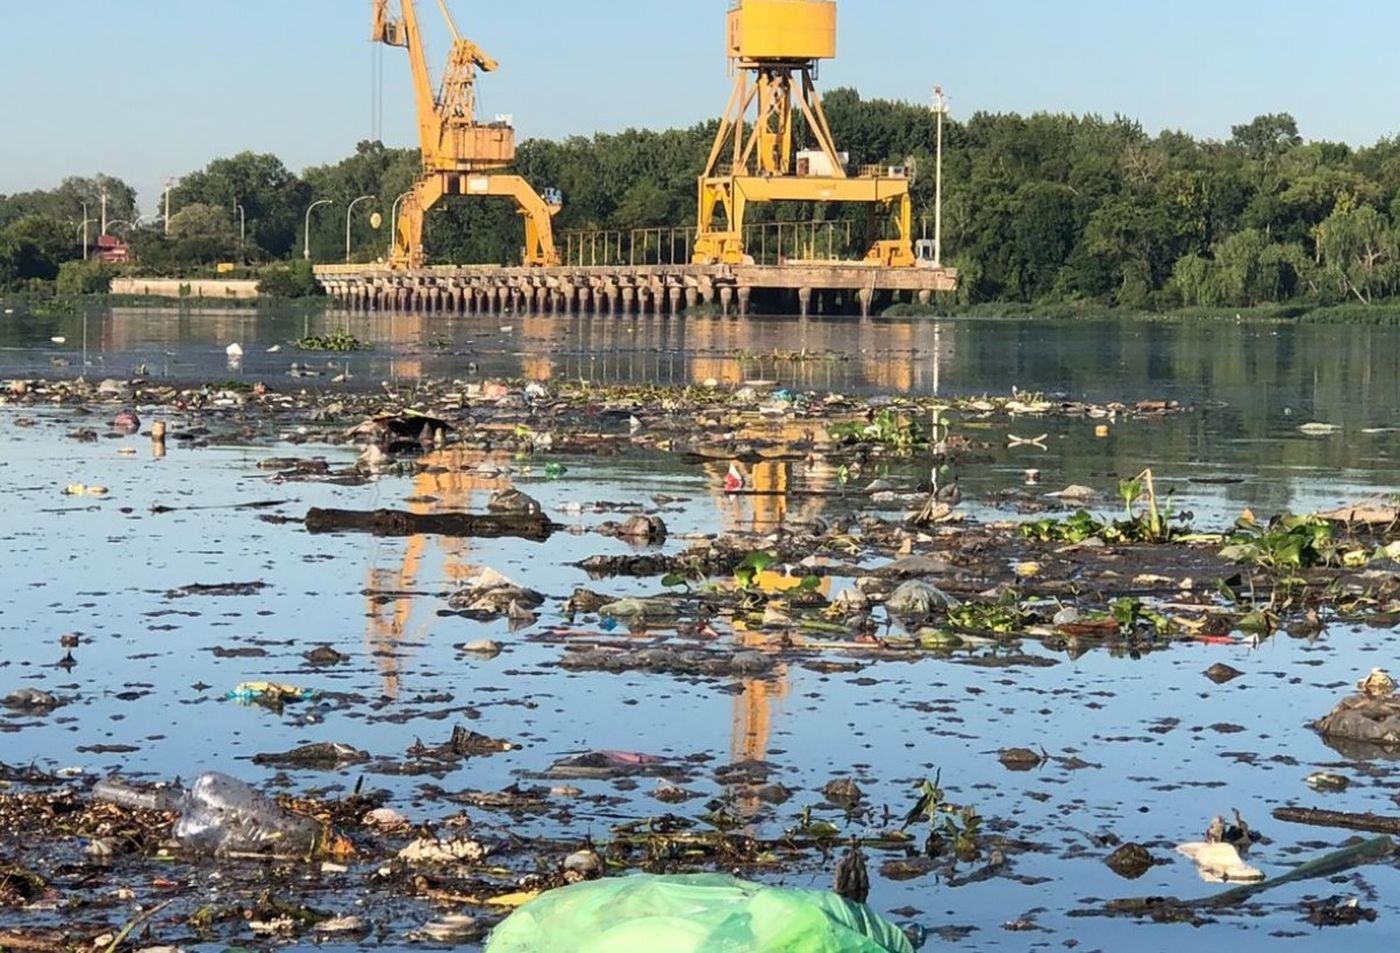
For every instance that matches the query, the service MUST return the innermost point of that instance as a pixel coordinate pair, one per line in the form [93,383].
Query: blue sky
[145,89]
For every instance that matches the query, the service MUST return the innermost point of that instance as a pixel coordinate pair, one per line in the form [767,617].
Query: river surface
[1157,748]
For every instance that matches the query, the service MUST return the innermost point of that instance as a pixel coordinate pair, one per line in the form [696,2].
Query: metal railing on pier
[768,243]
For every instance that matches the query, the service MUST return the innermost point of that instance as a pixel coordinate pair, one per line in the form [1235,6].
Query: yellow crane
[776,45]
[461,156]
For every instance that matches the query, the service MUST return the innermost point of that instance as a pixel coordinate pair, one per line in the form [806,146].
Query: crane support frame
[432,189]
[775,46]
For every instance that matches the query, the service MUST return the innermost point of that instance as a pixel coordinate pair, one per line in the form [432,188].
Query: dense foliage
[292,280]
[1038,209]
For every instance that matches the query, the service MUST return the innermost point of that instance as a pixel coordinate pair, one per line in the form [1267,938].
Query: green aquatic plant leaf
[758,561]
[1287,544]
[335,341]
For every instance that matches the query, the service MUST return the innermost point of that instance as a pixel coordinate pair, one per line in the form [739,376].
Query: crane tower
[775,46]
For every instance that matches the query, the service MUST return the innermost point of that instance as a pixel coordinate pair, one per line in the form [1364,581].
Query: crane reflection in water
[776,493]
[825,356]
[790,491]
[450,479]
[461,479]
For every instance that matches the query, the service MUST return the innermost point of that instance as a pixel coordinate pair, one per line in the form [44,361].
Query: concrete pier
[793,288]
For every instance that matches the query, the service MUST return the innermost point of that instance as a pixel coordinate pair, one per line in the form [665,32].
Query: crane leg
[540,250]
[408,243]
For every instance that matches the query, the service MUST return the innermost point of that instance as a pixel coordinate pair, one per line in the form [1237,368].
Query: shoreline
[30,304]
[1378,315]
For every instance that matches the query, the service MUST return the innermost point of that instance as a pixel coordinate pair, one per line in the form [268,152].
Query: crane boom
[458,151]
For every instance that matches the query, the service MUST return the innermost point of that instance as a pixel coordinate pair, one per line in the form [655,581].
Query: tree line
[1038,209]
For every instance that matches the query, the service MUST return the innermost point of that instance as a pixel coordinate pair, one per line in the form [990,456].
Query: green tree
[85,278]
[1194,281]
[1136,237]
[32,248]
[1043,236]
[1242,274]
[202,234]
[67,202]
[293,280]
[1266,137]
[1357,248]
[643,204]
[271,197]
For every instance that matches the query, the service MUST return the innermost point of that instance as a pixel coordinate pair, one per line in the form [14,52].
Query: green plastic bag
[706,913]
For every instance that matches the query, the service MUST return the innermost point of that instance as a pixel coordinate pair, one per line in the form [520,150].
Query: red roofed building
[111,250]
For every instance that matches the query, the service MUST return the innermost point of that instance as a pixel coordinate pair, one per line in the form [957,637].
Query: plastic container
[113,791]
[222,815]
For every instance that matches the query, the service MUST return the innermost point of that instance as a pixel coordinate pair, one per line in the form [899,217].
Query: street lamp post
[394,222]
[940,108]
[169,184]
[306,250]
[348,211]
[81,232]
[86,220]
[242,233]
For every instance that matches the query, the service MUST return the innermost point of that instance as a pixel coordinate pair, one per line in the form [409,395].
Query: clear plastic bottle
[221,815]
[115,791]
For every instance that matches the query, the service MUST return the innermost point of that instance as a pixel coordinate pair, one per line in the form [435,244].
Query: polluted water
[383,660]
